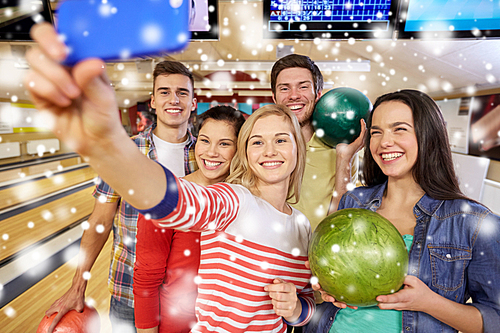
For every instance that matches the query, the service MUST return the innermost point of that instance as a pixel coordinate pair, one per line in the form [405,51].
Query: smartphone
[122,29]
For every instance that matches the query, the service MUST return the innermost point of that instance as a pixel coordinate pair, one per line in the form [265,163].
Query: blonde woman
[252,275]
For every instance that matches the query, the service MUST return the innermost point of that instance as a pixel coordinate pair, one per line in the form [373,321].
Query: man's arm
[91,245]
[345,156]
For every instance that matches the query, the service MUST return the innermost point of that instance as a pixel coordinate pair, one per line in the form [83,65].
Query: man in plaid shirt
[167,141]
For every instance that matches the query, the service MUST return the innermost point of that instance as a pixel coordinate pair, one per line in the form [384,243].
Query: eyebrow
[178,89]
[223,139]
[260,136]
[395,124]
[287,83]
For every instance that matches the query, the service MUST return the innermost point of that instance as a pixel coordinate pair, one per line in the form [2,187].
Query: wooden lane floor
[23,190]
[23,314]
[31,225]
[32,168]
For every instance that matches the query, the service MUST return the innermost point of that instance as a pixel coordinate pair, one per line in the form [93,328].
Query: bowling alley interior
[46,188]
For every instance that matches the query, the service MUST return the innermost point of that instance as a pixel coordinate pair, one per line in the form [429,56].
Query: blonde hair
[241,173]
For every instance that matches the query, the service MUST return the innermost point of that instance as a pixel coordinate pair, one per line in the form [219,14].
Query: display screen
[203,20]
[329,19]
[449,19]
[18,16]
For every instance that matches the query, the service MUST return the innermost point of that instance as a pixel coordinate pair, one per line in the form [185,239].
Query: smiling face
[215,148]
[393,142]
[295,89]
[272,150]
[173,100]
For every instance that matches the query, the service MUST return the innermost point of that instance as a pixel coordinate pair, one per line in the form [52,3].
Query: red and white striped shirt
[245,244]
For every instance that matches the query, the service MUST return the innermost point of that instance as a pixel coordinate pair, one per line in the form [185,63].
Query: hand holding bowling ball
[87,321]
[337,115]
[357,255]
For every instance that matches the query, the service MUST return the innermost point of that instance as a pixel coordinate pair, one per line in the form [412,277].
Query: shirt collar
[427,204]
[315,142]
[148,134]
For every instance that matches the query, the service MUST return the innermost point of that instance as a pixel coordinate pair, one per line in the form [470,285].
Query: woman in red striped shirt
[252,275]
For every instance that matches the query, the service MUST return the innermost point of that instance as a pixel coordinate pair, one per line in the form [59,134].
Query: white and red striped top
[245,244]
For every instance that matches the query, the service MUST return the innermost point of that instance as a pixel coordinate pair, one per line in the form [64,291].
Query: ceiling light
[245,66]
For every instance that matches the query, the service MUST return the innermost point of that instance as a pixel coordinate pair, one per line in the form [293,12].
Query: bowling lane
[20,170]
[24,313]
[42,184]
[30,225]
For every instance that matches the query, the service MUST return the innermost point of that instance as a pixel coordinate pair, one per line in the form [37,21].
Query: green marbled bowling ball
[357,255]
[337,115]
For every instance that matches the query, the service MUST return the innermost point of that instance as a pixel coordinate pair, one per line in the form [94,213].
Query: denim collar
[426,204]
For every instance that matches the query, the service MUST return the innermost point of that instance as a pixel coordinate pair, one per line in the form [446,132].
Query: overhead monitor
[432,19]
[329,19]
[18,16]
[204,19]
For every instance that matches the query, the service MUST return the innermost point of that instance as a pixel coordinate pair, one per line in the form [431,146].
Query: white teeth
[212,164]
[173,110]
[390,157]
[295,107]
[271,163]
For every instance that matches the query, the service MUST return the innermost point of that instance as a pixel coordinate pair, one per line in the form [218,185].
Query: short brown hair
[297,60]
[168,67]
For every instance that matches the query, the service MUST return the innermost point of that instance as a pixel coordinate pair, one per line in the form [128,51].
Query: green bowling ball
[357,255]
[337,115]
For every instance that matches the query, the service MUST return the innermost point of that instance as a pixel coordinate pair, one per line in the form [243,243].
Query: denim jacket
[455,252]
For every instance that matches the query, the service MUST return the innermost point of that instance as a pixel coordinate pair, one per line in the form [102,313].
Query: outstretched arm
[82,108]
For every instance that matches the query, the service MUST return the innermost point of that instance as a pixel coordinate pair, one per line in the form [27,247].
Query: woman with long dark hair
[454,242]
[167,260]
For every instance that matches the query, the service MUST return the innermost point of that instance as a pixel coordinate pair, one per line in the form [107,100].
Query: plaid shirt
[125,225]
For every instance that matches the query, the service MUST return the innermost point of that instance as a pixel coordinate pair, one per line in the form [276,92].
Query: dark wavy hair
[223,113]
[297,60]
[433,170]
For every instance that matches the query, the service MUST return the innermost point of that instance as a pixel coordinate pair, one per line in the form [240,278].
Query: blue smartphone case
[122,29]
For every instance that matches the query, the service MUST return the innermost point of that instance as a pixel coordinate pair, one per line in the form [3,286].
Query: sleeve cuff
[169,201]
[303,315]
[490,317]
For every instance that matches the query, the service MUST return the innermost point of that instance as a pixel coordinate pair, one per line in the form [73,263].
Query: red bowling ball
[87,321]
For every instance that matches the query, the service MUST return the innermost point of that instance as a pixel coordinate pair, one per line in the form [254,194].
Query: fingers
[283,296]
[280,285]
[48,80]
[56,320]
[307,264]
[488,144]
[283,308]
[49,41]
[44,92]
[364,130]
[316,287]
[360,140]
[90,76]
[329,298]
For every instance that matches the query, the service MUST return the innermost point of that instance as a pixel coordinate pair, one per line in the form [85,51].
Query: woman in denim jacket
[455,241]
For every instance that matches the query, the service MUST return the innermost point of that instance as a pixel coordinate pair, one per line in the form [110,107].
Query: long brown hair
[433,170]
[240,170]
